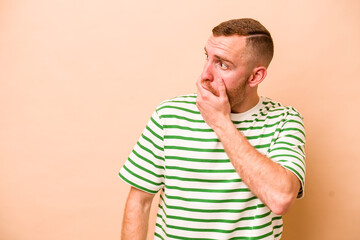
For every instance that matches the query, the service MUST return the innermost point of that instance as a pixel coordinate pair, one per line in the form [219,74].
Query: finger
[222,89]
[201,89]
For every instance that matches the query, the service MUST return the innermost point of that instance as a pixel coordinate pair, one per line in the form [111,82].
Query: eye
[223,65]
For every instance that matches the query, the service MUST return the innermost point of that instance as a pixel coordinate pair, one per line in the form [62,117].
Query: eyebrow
[219,58]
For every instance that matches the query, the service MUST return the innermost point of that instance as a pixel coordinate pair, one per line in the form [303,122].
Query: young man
[229,163]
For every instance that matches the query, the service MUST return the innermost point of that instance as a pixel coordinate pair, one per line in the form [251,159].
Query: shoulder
[185,103]
[189,98]
[271,108]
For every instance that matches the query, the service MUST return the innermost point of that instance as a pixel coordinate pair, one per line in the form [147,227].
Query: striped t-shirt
[202,196]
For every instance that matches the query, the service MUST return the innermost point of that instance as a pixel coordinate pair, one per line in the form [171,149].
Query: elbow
[282,201]
[279,210]
[282,205]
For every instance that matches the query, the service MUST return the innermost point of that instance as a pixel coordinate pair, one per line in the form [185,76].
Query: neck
[246,104]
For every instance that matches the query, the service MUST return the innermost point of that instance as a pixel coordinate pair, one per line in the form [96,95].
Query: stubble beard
[237,97]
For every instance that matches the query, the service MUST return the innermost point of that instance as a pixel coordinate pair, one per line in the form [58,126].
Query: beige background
[79,80]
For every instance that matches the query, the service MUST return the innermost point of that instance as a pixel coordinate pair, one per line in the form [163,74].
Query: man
[229,163]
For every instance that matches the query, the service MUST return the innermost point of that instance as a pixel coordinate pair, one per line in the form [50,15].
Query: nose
[207,73]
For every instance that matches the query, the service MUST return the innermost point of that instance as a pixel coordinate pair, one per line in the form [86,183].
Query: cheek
[228,76]
[235,80]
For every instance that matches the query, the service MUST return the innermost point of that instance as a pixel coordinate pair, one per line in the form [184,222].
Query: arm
[276,186]
[136,215]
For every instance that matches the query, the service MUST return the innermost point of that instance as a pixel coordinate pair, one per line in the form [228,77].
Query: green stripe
[182,118]
[295,137]
[295,115]
[179,108]
[197,159]
[279,234]
[192,138]
[271,111]
[203,180]
[147,160]
[136,185]
[149,151]
[260,120]
[286,143]
[285,148]
[187,102]
[286,161]
[295,121]
[195,149]
[211,130]
[159,236]
[189,128]
[260,127]
[274,110]
[268,102]
[261,135]
[287,155]
[157,124]
[262,146]
[201,170]
[216,139]
[207,190]
[154,133]
[151,142]
[209,200]
[277,226]
[293,129]
[142,178]
[145,169]
[248,121]
[301,149]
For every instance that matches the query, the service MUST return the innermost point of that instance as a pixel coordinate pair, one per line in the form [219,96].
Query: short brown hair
[258,38]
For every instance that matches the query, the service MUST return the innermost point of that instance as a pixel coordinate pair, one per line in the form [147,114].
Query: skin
[228,84]
[136,215]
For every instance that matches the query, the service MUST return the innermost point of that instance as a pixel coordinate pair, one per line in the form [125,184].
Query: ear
[259,73]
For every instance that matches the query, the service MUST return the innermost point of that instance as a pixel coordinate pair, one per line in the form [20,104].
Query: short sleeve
[288,149]
[144,168]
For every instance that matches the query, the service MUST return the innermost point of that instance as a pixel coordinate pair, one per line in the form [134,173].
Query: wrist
[223,125]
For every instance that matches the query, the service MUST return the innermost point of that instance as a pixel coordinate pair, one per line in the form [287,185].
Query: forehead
[226,45]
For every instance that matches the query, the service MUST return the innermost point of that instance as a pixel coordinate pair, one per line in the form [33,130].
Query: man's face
[228,60]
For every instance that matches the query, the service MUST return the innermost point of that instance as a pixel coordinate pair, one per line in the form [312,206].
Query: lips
[207,85]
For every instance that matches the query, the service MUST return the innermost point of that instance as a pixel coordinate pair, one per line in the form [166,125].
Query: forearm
[272,183]
[136,216]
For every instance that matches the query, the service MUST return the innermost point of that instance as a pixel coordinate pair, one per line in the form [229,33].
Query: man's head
[258,39]
[238,53]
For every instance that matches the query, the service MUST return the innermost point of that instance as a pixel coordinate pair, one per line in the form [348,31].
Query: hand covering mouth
[207,85]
